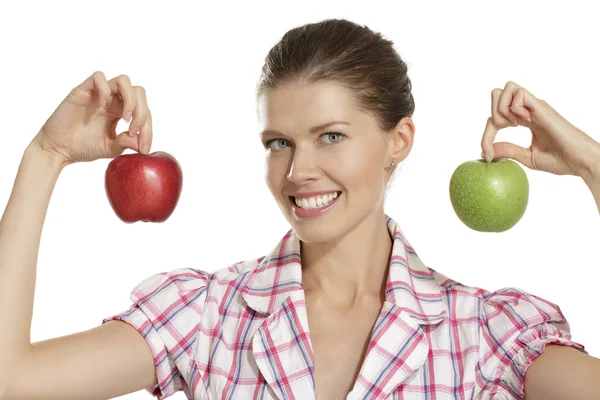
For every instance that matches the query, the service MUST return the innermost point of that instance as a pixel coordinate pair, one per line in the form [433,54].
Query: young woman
[342,307]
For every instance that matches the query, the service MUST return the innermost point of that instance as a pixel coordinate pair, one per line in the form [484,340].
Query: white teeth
[315,201]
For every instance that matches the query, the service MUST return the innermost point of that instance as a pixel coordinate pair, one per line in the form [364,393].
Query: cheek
[269,176]
[358,168]
[273,175]
[361,172]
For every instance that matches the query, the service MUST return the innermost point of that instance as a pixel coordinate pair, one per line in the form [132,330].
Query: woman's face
[346,163]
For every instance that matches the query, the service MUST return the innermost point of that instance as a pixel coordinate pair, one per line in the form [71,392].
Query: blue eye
[333,133]
[269,144]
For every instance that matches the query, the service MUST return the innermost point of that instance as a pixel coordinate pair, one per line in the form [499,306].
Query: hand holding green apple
[492,196]
[557,146]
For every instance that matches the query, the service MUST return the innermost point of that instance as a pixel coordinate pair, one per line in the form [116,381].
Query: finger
[487,142]
[502,118]
[97,82]
[524,104]
[510,150]
[121,142]
[141,111]
[507,100]
[122,85]
[145,136]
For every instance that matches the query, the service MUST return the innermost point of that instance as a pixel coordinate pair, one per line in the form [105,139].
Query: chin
[317,233]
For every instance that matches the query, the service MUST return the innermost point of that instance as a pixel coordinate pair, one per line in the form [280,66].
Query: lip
[315,212]
[311,194]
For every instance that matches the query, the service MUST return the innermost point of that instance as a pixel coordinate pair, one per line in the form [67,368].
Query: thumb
[123,141]
[511,150]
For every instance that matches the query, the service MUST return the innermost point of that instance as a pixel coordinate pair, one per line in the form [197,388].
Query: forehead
[299,106]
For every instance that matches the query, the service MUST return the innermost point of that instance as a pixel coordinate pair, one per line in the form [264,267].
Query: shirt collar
[410,284]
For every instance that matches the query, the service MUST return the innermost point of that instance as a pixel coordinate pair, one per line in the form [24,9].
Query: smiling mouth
[315,202]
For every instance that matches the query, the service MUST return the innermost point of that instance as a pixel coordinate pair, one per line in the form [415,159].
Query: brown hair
[349,54]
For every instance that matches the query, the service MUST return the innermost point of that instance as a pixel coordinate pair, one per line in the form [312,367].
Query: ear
[401,140]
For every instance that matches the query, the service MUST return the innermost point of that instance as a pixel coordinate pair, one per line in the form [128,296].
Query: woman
[382,324]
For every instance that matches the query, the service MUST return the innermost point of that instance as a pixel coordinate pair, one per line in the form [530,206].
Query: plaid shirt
[242,332]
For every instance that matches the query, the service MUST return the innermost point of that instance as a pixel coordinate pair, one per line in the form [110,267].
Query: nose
[304,168]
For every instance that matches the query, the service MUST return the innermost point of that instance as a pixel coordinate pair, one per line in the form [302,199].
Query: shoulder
[514,327]
[509,304]
[519,310]
[180,282]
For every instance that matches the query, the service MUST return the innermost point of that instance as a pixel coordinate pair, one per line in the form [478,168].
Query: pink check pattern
[242,332]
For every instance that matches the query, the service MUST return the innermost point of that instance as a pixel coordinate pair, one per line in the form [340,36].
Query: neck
[352,269]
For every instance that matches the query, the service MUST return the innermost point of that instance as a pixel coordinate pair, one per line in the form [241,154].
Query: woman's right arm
[107,361]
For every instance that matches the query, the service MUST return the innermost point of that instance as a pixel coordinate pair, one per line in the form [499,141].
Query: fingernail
[488,158]
[145,148]
[127,116]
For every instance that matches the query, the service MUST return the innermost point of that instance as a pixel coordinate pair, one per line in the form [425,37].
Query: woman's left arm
[557,146]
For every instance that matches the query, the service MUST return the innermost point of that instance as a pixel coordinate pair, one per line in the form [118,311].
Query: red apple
[143,187]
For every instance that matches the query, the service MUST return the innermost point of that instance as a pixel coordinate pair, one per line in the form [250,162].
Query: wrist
[51,159]
[591,172]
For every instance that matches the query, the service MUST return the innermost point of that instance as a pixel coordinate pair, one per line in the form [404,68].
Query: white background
[199,64]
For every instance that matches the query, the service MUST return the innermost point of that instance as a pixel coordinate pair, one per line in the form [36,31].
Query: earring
[392,164]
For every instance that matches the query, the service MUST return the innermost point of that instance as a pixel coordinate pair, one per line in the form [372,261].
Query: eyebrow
[314,129]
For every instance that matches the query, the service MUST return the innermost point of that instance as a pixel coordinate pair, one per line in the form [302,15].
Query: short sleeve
[166,311]
[515,329]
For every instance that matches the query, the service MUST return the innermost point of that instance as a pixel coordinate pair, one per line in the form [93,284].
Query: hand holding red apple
[139,187]
[82,128]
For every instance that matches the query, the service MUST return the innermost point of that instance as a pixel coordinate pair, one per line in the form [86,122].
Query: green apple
[489,197]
